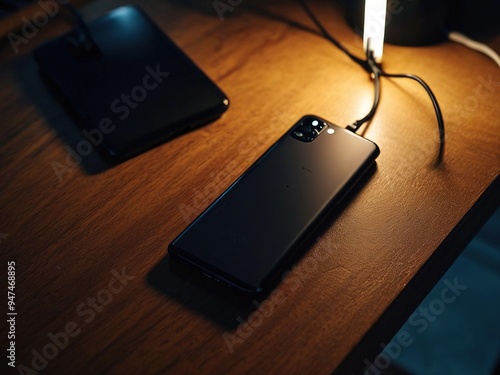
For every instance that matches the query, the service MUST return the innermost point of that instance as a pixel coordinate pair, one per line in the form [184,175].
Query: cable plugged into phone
[375,70]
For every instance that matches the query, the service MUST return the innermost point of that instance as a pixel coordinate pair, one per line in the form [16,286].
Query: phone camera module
[308,129]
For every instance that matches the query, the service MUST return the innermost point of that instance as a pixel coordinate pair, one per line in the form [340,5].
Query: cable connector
[353,127]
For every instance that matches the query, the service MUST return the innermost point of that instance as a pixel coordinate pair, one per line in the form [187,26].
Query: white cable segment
[472,44]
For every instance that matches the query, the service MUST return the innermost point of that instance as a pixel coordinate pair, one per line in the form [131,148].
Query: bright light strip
[374,29]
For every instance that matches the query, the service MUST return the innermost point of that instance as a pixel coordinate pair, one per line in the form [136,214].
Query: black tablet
[134,88]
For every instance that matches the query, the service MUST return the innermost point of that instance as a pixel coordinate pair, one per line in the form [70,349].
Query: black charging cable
[376,71]
[435,103]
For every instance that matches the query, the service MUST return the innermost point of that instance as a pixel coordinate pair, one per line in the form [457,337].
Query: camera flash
[330,131]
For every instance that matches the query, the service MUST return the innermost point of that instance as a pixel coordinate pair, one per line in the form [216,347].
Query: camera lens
[308,129]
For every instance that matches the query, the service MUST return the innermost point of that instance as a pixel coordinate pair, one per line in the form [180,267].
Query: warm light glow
[374,28]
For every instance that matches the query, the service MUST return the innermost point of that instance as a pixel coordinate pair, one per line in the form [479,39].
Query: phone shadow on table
[58,113]
[217,302]
[65,123]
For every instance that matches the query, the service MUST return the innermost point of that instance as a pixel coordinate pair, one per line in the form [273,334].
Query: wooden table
[92,271]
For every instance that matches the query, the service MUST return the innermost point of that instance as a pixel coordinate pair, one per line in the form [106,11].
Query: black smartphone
[130,86]
[245,236]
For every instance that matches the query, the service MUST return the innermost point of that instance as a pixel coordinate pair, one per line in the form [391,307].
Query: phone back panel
[252,227]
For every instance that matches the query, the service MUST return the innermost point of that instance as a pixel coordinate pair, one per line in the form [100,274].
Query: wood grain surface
[90,243]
